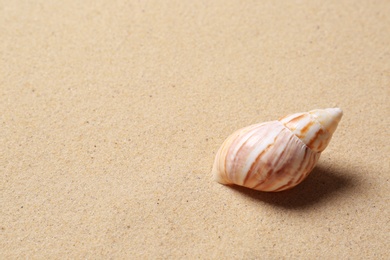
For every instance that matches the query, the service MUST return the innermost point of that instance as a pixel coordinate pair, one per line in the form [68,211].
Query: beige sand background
[112,111]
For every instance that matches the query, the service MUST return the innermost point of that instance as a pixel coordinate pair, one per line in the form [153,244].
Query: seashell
[276,155]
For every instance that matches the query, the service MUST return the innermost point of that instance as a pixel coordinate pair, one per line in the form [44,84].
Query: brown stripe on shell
[284,150]
[309,166]
[268,174]
[273,175]
[293,121]
[240,150]
[286,186]
[314,138]
[312,160]
[292,124]
[229,151]
[263,181]
[322,145]
[286,167]
[270,167]
[303,164]
[303,161]
[254,164]
[305,129]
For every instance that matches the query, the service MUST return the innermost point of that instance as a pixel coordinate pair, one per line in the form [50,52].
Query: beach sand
[112,112]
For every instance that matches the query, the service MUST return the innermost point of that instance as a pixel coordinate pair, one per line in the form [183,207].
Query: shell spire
[315,128]
[276,155]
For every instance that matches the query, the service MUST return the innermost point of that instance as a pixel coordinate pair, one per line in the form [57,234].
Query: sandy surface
[112,112]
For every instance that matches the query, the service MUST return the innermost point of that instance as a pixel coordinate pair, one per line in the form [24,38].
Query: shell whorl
[315,128]
[276,155]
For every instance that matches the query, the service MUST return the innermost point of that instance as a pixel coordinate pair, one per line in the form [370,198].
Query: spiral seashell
[276,155]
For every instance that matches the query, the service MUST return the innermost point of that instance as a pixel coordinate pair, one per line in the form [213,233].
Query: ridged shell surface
[276,155]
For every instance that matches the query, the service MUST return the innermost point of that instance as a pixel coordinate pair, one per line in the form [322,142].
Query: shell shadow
[320,185]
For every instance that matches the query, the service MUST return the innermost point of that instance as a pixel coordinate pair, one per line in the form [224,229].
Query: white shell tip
[329,117]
